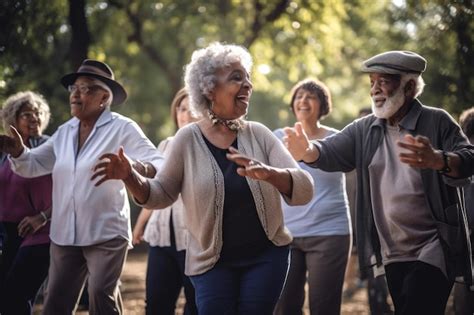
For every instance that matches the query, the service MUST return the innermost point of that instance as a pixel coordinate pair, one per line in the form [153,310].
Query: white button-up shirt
[82,213]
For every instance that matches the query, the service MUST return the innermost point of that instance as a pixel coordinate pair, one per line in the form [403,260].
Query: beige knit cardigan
[190,169]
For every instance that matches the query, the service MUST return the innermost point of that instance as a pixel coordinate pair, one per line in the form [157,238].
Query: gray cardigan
[190,169]
[354,147]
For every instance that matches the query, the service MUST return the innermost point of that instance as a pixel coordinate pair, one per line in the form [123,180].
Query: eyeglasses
[30,115]
[83,89]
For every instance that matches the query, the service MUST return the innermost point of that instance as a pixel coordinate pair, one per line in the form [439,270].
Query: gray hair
[200,74]
[13,104]
[105,87]
[419,82]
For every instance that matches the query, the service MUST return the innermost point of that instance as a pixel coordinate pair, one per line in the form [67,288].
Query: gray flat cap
[395,62]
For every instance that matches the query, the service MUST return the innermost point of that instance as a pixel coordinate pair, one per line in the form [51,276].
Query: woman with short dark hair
[321,228]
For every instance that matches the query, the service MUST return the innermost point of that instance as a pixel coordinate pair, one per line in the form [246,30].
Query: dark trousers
[22,272]
[246,286]
[463,300]
[417,288]
[164,279]
[11,244]
[377,292]
[27,274]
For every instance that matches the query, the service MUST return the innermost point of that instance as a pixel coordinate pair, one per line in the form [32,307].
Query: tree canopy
[148,43]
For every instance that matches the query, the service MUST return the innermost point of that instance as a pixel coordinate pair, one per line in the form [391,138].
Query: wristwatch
[446,159]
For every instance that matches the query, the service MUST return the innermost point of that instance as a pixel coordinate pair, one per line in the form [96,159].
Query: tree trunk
[80,39]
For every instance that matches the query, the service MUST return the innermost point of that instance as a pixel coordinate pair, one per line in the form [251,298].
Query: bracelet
[45,217]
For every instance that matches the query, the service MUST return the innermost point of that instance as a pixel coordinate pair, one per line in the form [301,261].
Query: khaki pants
[69,268]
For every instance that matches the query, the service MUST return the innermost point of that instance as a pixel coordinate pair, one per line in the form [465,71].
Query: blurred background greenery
[148,43]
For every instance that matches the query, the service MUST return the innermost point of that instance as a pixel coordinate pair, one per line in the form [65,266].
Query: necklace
[232,124]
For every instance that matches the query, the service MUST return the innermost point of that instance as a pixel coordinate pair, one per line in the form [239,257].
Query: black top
[243,234]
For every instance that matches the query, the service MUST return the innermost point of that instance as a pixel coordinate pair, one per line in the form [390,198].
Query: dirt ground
[133,291]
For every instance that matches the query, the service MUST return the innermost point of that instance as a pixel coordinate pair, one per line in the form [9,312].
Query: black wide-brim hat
[99,70]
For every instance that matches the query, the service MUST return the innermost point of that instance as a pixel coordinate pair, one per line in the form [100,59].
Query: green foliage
[148,43]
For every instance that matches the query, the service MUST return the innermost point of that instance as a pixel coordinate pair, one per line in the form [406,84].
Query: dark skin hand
[248,166]
[107,170]
[422,155]
[12,145]
[254,169]
[31,224]
[119,166]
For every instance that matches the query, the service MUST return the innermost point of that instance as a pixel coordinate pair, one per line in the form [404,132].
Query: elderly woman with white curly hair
[25,206]
[237,252]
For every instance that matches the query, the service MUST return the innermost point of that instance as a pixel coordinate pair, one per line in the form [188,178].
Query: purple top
[21,197]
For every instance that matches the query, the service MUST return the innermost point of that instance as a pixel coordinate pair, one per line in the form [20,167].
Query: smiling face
[88,105]
[28,121]
[387,94]
[232,92]
[306,106]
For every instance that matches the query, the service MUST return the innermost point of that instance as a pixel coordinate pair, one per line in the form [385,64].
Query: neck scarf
[232,124]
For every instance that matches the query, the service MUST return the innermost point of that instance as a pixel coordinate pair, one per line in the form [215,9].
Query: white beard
[391,106]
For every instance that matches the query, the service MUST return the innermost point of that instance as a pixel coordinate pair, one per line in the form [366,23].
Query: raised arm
[297,142]
[12,145]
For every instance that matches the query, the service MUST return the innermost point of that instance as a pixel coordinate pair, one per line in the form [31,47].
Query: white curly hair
[200,74]
[12,106]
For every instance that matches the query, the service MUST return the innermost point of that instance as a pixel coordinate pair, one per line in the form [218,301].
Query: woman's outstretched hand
[112,166]
[278,177]
[249,167]
[12,145]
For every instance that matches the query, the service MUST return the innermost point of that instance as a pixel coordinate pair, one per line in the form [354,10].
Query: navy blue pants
[164,279]
[246,286]
[417,288]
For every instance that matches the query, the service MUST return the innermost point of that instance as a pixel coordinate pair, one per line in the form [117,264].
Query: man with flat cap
[410,159]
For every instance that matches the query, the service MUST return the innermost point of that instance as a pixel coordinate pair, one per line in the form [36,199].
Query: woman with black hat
[90,226]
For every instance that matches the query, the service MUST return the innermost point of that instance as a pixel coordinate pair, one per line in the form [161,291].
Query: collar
[105,117]
[409,121]
[411,118]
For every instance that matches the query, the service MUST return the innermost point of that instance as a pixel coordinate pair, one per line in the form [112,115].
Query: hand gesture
[420,152]
[296,141]
[112,166]
[31,224]
[249,167]
[12,145]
